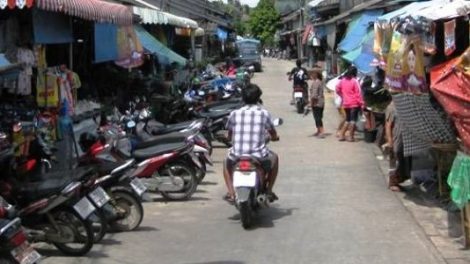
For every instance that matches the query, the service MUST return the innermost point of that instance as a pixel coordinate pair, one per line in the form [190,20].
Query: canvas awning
[152,45]
[433,10]
[150,16]
[363,55]
[14,4]
[314,3]
[94,10]
[358,29]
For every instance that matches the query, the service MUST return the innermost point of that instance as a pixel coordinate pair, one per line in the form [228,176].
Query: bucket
[370,135]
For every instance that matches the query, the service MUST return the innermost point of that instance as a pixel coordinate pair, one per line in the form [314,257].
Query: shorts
[352,114]
[267,162]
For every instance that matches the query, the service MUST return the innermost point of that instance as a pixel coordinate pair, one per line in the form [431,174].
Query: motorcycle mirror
[278,121]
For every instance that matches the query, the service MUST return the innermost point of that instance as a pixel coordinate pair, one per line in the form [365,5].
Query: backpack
[299,75]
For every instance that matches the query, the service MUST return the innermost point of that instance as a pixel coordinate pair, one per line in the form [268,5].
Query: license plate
[25,254]
[298,94]
[84,208]
[244,179]
[99,197]
[138,186]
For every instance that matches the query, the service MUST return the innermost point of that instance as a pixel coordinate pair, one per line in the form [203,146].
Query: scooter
[166,168]
[248,180]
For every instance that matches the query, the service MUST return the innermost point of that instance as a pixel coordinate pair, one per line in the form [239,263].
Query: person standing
[317,101]
[350,92]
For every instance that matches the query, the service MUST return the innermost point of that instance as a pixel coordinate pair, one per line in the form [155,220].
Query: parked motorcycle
[14,245]
[166,168]
[248,180]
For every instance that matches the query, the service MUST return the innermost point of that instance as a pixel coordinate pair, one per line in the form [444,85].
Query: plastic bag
[459,180]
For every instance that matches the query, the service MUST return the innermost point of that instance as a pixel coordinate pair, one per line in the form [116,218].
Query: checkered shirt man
[249,125]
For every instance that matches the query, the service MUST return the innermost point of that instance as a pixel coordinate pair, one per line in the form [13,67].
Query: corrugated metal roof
[95,10]
[344,15]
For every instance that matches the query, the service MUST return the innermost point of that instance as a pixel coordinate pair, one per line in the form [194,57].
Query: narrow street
[334,207]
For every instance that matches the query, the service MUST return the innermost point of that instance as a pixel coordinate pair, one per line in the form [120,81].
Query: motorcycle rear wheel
[134,212]
[182,170]
[300,107]
[70,221]
[246,214]
[99,226]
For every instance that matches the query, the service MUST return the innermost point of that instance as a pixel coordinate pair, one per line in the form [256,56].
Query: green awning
[165,55]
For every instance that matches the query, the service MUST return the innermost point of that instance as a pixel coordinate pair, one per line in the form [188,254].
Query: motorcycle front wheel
[72,226]
[187,174]
[130,210]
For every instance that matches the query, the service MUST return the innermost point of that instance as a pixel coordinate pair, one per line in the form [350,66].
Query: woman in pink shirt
[350,92]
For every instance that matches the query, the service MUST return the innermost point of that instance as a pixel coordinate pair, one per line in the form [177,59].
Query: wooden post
[465,213]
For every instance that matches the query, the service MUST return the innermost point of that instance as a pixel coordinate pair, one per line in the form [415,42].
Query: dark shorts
[266,162]
[352,114]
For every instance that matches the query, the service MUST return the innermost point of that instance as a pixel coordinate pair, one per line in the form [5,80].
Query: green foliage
[264,21]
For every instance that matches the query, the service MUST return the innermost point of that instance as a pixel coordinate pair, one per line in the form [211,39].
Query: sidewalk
[442,226]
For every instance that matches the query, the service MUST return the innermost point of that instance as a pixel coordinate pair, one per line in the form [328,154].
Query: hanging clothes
[28,60]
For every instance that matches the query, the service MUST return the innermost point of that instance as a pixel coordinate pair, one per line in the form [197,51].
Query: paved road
[334,207]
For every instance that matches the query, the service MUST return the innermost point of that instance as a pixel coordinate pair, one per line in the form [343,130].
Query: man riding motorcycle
[247,129]
[300,77]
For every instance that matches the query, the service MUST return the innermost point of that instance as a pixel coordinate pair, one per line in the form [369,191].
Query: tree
[264,21]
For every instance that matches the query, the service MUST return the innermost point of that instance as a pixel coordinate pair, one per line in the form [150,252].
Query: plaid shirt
[248,126]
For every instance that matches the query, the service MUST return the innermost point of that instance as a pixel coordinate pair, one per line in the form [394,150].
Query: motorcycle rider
[300,77]
[247,129]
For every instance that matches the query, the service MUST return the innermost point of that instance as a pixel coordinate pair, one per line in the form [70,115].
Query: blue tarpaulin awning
[106,48]
[8,70]
[358,29]
[363,55]
[165,55]
[51,28]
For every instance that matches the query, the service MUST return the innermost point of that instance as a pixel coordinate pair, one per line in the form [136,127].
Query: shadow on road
[266,217]
[192,199]
[208,183]
[49,252]
[219,262]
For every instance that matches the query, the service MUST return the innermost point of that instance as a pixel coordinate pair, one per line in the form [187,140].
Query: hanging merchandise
[130,49]
[422,123]
[459,180]
[394,70]
[429,40]
[47,95]
[449,41]
[26,58]
[414,71]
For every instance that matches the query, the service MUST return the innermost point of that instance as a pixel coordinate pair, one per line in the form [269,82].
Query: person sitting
[247,129]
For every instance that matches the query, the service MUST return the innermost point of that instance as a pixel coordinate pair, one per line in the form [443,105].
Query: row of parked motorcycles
[122,159]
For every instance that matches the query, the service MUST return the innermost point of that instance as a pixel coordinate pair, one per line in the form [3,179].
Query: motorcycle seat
[38,190]
[162,139]
[77,174]
[146,153]
[160,129]
[215,114]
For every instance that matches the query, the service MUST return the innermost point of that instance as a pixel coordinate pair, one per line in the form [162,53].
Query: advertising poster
[449,29]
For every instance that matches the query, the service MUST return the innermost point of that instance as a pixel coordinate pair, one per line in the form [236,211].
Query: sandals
[229,198]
